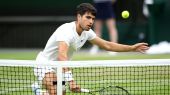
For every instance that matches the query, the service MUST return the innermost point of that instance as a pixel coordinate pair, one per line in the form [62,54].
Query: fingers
[146,44]
[76,89]
[142,44]
[142,48]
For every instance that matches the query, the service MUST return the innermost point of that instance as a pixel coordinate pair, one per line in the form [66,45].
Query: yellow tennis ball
[125,14]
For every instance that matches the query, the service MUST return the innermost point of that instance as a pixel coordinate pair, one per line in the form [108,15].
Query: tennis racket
[110,90]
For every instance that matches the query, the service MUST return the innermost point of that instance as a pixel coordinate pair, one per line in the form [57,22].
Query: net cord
[89,63]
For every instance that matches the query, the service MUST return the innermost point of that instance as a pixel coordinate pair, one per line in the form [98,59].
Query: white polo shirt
[67,33]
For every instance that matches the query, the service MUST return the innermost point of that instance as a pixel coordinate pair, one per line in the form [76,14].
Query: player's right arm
[62,51]
[62,56]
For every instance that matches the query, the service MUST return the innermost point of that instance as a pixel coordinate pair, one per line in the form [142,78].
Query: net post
[59,80]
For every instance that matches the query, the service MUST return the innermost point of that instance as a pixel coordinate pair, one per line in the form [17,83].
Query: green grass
[31,55]
[19,55]
[142,82]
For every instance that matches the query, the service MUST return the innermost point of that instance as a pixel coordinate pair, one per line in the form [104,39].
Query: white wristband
[68,76]
[84,90]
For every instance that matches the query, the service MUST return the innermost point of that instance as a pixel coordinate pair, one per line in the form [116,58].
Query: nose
[91,21]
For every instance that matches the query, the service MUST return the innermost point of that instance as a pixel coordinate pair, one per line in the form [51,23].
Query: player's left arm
[111,46]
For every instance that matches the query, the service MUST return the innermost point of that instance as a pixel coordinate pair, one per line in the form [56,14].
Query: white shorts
[40,71]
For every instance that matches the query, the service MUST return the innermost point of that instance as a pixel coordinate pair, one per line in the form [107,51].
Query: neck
[79,30]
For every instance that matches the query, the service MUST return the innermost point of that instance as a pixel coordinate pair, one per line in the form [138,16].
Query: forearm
[118,47]
[63,57]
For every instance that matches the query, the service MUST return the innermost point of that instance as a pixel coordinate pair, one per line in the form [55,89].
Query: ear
[78,16]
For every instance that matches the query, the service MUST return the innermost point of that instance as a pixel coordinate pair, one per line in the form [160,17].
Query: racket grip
[85,90]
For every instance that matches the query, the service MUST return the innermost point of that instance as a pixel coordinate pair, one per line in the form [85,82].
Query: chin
[87,29]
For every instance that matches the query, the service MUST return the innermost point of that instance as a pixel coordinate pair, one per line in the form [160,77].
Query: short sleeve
[62,34]
[91,35]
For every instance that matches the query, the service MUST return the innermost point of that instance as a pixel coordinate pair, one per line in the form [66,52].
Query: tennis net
[100,77]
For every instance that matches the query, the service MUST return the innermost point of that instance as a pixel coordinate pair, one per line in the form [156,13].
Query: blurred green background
[29,23]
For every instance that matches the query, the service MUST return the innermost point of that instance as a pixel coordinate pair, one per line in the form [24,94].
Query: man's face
[86,21]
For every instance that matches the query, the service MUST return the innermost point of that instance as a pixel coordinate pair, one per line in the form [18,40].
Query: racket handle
[85,90]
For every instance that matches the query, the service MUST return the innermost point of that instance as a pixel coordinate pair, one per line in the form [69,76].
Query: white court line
[4,92]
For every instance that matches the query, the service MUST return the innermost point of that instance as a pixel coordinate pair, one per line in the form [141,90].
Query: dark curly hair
[86,7]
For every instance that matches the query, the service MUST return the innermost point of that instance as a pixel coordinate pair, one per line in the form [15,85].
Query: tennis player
[69,38]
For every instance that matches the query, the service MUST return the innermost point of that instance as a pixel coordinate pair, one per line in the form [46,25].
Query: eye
[88,17]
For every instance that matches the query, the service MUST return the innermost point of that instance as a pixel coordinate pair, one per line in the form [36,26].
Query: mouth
[89,26]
